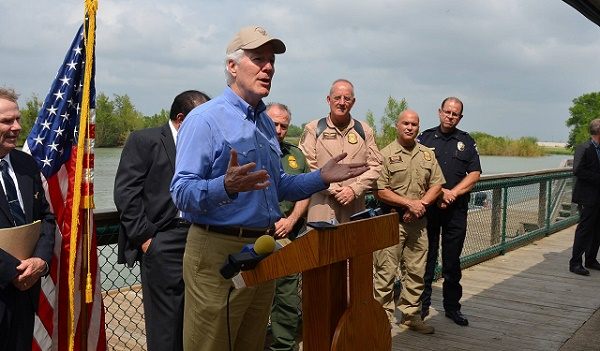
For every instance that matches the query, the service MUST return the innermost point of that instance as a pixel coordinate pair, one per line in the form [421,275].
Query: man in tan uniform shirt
[410,181]
[332,135]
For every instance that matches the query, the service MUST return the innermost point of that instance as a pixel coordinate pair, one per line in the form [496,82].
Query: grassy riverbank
[489,145]
[557,150]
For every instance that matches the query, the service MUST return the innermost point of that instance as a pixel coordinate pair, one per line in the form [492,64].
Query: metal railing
[506,211]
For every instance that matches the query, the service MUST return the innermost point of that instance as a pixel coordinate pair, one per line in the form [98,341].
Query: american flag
[53,142]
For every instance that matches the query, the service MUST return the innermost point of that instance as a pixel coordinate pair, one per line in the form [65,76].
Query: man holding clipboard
[22,201]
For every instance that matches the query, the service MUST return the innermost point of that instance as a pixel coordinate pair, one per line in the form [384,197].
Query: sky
[516,64]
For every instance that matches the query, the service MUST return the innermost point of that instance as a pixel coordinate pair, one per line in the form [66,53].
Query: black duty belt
[238,231]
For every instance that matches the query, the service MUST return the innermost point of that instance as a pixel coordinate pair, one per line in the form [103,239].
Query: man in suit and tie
[22,201]
[151,229]
[586,194]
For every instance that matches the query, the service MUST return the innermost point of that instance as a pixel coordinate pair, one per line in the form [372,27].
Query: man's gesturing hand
[333,171]
[241,178]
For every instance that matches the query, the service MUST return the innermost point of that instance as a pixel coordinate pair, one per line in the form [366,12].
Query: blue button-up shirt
[204,142]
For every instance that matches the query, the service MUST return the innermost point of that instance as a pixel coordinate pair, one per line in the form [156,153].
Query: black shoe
[457,317]
[593,265]
[579,270]
[424,312]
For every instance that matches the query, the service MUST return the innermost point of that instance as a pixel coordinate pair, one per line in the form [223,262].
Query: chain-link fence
[505,212]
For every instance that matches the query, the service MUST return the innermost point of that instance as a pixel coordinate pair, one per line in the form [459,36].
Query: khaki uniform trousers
[410,255]
[205,324]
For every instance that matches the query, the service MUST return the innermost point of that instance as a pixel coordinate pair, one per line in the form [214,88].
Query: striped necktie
[11,195]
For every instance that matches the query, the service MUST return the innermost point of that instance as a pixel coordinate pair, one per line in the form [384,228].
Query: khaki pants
[205,325]
[410,255]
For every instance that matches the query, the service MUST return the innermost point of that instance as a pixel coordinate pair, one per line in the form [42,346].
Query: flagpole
[83,149]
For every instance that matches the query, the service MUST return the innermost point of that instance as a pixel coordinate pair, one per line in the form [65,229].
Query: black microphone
[247,259]
[367,213]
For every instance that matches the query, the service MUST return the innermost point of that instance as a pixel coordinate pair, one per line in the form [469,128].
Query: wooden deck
[524,300]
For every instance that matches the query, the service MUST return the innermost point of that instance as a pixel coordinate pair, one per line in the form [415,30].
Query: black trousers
[587,235]
[16,323]
[451,226]
[163,290]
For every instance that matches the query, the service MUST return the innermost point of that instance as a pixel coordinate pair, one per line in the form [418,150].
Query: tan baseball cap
[252,37]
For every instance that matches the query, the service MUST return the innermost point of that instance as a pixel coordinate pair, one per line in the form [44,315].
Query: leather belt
[240,232]
[180,223]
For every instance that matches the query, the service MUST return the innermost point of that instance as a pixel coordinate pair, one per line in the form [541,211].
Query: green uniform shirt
[409,173]
[293,162]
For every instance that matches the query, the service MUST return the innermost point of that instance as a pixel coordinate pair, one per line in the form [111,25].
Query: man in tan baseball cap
[228,183]
[252,37]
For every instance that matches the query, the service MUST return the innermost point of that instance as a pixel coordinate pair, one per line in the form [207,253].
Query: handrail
[517,209]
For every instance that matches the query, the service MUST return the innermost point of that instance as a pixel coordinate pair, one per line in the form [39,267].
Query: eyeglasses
[346,99]
[451,114]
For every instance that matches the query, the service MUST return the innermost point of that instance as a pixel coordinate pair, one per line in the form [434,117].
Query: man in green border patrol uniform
[284,312]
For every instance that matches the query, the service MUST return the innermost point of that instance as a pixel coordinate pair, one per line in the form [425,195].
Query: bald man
[410,181]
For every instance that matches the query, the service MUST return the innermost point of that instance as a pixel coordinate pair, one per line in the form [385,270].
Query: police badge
[460,146]
[426,155]
[352,139]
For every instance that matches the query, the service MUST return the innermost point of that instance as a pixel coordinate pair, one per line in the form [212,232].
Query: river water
[107,160]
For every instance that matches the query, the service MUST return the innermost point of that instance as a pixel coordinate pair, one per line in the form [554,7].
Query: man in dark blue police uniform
[457,155]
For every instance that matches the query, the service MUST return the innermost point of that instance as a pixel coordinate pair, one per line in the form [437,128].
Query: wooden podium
[338,308]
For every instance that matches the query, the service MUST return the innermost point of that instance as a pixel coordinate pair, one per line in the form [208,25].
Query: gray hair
[9,94]
[236,57]
[281,106]
[595,127]
[341,80]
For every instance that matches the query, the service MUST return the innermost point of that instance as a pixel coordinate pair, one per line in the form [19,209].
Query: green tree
[388,121]
[115,120]
[500,146]
[28,116]
[156,120]
[294,131]
[584,109]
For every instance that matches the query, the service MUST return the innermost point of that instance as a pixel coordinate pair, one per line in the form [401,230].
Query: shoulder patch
[292,162]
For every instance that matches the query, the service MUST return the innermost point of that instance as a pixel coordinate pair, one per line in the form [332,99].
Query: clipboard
[20,241]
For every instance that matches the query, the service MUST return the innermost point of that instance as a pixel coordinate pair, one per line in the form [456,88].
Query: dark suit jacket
[35,207]
[586,168]
[141,188]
